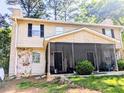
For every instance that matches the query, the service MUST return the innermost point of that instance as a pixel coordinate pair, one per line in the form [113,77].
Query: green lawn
[50,87]
[105,84]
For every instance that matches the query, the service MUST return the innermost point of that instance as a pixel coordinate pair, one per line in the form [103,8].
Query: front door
[90,57]
[58,62]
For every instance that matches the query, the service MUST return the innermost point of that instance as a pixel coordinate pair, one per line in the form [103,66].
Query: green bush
[120,64]
[84,67]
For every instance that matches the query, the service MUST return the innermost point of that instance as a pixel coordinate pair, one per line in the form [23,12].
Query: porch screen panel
[104,57]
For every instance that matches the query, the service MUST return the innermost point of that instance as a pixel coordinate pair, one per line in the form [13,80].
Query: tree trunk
[55,10]
[65,15]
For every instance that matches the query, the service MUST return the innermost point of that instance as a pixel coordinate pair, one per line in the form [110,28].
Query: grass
[25,84]
[50,87]
[105,84]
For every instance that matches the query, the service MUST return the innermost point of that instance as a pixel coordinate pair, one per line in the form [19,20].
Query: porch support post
[49,76]
[97,63]
[73,55]
[116,65]
[48,66]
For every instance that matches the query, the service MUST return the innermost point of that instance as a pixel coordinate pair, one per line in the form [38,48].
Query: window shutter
[41,30]
[103,31]
[112,32]
[29,30]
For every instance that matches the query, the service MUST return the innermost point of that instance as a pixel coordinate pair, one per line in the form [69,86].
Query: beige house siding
[82,37]
[99,29]
[121,53]
[24,41]
[50,30]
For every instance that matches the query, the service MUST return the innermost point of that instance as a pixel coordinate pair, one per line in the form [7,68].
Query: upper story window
[35,30]
[108,32]
[36,57]
[59,30]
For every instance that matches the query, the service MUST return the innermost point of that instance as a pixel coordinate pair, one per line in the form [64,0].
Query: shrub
[120,64]
[84,67]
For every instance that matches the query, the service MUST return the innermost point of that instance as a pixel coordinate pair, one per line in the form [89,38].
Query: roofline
[86,29]
[63,22]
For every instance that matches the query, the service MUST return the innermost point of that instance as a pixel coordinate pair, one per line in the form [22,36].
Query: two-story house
[41,46]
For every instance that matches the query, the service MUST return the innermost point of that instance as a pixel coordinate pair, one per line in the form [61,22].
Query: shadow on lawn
[105,84]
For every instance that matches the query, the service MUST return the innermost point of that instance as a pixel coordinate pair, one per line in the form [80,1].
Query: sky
[3,7]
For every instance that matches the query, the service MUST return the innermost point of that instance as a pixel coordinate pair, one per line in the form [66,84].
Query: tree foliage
[4,43]
[90,11]
[85,15]
[69,9]
[98,10]
[61,9]
[54,8]
[31,8]
[5,48]
[3,22]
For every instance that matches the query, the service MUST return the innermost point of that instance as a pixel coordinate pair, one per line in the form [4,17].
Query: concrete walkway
[112,73]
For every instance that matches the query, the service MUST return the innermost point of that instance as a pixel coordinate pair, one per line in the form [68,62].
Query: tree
[3,22]
[31,8]
[5,48]
[97,11]
[85,15]
[62,9]
[54,7]
[109,9]
[4,42]
[69,9]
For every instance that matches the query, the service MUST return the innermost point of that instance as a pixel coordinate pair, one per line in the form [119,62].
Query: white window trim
[32,57]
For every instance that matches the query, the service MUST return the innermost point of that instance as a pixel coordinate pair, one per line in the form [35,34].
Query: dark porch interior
[65,56]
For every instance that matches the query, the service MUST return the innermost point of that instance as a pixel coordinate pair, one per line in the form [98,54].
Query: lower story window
[36,57]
